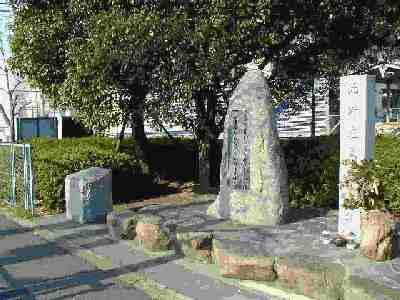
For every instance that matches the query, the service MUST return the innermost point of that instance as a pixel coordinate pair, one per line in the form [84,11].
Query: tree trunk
[313,104]
[214,154]
[9,121]
[12,131]
[12,120]
[333,106]
[12,104]
[207,135]
[159,123]
[4,115]
[121,134]
[204,165]
[387,102]
[208,163]
[139,135]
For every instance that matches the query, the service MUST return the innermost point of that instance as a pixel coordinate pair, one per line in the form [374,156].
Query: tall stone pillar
[357,136]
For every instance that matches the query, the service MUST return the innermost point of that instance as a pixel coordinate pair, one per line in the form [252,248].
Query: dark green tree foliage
[214,39]
[102,57]
[94,57]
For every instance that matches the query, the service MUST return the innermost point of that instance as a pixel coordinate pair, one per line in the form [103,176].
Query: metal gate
[16,176]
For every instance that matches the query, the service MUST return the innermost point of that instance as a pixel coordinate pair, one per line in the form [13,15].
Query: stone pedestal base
[88,195]
[378,235]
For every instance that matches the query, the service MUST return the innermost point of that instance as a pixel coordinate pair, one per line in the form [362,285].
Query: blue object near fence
[281,107]
[28,128]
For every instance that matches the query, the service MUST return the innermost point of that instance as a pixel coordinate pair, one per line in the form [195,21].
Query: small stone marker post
[254,187]
[357,136]
[88,195]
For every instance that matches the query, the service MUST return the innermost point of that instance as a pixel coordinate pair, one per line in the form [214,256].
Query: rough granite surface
[253,174]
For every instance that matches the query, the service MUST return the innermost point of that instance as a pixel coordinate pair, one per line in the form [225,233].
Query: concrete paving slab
[34,268]
[167,272]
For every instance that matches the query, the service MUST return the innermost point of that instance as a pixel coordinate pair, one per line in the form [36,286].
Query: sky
[5,16]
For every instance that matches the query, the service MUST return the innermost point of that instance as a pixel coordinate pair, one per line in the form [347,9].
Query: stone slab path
[119,259]
[298,242]
[34,268]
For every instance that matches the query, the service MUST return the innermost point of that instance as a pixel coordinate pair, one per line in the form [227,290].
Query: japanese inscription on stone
[357,136]
[238,162]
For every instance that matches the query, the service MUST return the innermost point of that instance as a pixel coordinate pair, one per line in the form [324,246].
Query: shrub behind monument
[313,167]
[313,171]
[53,160]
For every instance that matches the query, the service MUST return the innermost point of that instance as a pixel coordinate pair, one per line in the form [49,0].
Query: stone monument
[88,195]
[253,174]
[357,137]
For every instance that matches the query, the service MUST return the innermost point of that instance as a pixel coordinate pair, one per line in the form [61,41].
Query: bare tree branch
[22,107]
[15,102]
[16,85]
[4,115]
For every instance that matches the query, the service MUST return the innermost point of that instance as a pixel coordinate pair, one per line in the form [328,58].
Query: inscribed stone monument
[357,136]
[88,195]
[253,174]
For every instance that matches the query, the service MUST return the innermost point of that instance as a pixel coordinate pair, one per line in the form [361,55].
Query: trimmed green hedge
[313,167]
[387,155]
[314,170]
[53,160]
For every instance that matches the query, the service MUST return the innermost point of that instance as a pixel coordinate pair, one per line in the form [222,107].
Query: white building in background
[31,103]
[388,91]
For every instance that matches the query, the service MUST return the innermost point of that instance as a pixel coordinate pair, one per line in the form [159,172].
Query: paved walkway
[33,268]
[59,259]
[57,267]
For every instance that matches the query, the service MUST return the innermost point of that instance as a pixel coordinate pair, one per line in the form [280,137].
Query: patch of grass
[136,245]
[44,233]
[22,213]
[16,212]
[101,262]
[120,208]
[152,288]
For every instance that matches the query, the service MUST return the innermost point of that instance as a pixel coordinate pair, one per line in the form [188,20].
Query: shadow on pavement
[87,281]
[59,246]
[89,278]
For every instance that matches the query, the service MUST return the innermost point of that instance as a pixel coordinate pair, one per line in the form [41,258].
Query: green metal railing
[16,176]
